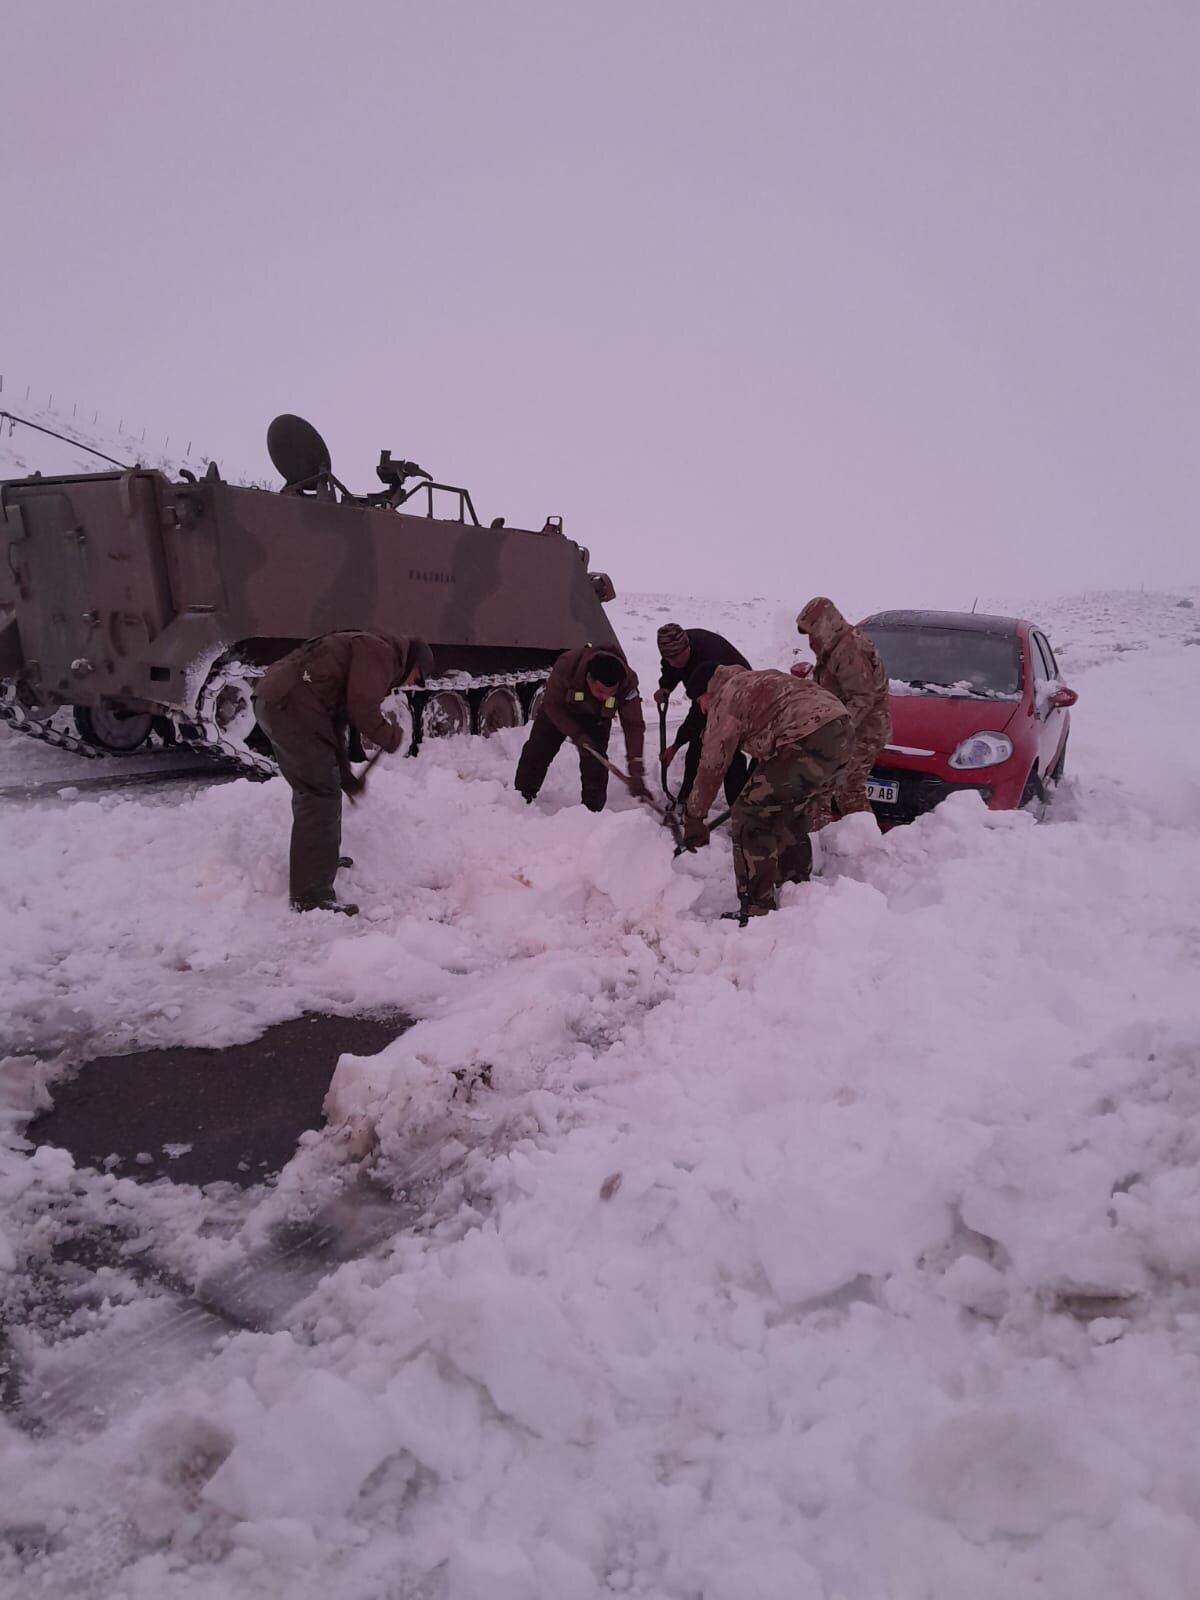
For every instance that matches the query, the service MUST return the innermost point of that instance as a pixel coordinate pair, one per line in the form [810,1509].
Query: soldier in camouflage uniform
[849,667]
[304,704]
[799,734]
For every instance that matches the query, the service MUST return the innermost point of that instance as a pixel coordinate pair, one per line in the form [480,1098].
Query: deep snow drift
[853,1254]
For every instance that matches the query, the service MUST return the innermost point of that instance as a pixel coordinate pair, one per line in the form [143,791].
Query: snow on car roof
[976,621]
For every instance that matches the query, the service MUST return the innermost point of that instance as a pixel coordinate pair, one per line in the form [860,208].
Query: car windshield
[951,661]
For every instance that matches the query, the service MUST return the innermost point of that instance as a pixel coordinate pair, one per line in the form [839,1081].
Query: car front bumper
[924,787]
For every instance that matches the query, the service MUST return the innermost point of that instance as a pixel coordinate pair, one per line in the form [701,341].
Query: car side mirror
[1063,697]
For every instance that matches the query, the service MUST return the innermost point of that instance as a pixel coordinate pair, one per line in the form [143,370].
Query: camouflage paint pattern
[770,817]
[766,713]
[848,665]
[849,794]
[120,581]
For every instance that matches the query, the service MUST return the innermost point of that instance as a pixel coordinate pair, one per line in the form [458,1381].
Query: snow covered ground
[852,1255]
[58,443]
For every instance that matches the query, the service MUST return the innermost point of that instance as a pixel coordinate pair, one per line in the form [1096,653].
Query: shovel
[353,783]
[672,800]
[664,813]
[715,823]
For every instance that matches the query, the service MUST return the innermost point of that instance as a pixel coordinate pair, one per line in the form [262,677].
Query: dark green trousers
[306,746]
[544,743]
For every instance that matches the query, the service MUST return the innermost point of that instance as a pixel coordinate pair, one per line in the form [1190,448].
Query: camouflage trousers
[849,793]
[770,817]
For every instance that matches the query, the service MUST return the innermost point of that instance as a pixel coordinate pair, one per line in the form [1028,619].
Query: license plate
[886,793]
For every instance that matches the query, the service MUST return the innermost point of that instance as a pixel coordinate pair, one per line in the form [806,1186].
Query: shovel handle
[360,778]
[662,812]
[715,823]
[662,752]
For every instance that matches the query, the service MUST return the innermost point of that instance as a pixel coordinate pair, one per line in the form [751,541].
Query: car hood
[941,722]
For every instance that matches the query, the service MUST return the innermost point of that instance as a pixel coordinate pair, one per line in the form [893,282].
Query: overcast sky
[892,300]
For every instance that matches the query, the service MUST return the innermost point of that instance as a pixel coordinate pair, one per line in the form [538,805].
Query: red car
[976,702]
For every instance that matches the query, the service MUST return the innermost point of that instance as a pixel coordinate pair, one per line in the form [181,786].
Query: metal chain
[59,739]
[204,734]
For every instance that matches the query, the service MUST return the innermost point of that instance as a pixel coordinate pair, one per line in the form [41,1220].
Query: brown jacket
[848,665]
[348,675]
[764,712]
[575,711]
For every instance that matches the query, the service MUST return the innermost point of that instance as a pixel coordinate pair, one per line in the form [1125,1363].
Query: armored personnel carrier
[137,610]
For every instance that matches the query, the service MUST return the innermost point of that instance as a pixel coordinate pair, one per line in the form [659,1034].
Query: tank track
[205,735]
[49,730]
[60,733]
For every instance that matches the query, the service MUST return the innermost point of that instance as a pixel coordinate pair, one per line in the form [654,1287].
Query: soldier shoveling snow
[799,735]
[305,703]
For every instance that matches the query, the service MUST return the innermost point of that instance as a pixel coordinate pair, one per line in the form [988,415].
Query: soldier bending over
[304,703]
[799,735]
[684,652]
[587,688]
[848,665]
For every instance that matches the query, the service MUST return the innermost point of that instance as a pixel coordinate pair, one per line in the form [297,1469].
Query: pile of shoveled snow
[850,1254]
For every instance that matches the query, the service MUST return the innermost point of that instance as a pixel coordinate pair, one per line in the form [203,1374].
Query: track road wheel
[535,701]
[111,729]
[445,713]
[499,707]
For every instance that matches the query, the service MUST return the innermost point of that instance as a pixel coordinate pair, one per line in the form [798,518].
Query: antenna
[297,451]
[974,603]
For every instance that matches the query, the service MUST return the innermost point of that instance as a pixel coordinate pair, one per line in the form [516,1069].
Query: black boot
[329,903]
[743,914]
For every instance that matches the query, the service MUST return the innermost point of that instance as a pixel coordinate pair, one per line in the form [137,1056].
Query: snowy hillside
[25,450]
[851,1255]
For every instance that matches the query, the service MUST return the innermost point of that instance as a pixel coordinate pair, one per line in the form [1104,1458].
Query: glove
[637,781]
[661,696]
[695,832]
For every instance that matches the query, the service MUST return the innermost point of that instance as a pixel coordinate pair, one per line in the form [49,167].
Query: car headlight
[982,750]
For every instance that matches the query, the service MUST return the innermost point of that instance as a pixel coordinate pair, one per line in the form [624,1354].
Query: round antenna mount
[298,452]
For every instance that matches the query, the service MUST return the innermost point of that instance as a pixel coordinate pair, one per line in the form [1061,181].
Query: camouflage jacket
[848,665]
[764,712]
[349,674]
[575,711]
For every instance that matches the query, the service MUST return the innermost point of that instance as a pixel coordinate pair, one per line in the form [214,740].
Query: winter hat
[672,640]
[411,653]
[420,655]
